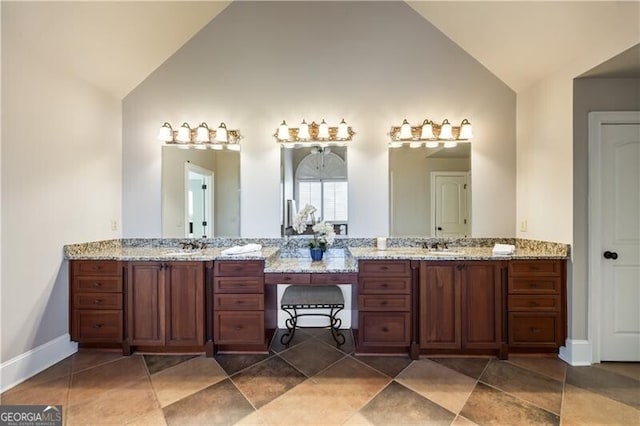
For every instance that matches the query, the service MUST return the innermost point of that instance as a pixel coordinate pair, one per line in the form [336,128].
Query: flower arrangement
[323,232]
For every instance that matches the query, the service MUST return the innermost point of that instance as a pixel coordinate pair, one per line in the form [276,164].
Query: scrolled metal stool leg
[335,326]
[291,324]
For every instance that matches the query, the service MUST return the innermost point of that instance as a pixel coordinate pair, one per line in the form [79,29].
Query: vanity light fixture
[201,137]
[431,134]
[313,134]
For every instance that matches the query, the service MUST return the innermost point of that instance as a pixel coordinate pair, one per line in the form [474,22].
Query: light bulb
[405,130]
[450,144]
[446,130]
[343,130]
[221,133]
[184,133]
[415,144]
[395,144]
[323,130]
[466,130]
[427,130]
[283,131]
[303,131]
[432,144]
[166,133]
[202,134]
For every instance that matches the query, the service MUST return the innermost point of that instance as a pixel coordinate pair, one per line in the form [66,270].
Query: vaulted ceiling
[116,45]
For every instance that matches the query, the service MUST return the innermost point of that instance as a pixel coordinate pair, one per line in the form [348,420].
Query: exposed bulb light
[283,131]
[343,130]
[466,130]
[427,130]
[450,144]
[415,144]
[202,134]
[446,131]
[184,133]
[395,144]
[303,131]
[405,130]
[432,144]
[323,130]
[221,133]
[166,133]
[233,147]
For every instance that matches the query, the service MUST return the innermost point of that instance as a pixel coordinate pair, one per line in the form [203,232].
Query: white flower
[323,232]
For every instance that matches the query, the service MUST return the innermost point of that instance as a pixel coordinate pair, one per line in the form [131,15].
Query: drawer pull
[239,327]
[287,278]
[97,301]
[532,303]
[99,325]
[535,330]
[239,302]
[384,285]
[533,285]
[383,303]
[384,268]
[385,330]
[98,285]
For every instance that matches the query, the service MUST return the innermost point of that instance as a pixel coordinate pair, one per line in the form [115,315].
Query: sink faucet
[436,246]
[194,245]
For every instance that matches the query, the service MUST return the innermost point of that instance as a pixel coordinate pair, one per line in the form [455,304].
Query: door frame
[432,207]
[594,317]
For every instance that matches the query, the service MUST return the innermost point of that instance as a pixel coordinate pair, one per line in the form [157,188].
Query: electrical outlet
[114,225]
[523,226]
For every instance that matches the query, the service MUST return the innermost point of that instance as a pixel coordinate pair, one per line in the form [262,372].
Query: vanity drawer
[97,267]
[534,329]
[529,268]
[238,285]
[276,278]
[534,303]
[369,285]
[390,302]
[396,268]
[384,328]
[243,268]
[334,278]
[535,285]
[97,284]
[97,301]
[245,327]
[238,302]
[97,326]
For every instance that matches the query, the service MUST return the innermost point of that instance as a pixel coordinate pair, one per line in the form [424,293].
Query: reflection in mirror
[430,191]
[200,193]
[316,176]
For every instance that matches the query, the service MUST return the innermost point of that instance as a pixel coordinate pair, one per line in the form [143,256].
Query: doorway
[450,204]
[614,235]
[199,201]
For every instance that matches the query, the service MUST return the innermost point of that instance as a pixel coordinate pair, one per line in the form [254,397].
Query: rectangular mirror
[430,191]
[200,193]
[317,176]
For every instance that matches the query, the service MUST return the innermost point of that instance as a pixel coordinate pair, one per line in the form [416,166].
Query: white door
[449,204]
[199,202]
[620,242]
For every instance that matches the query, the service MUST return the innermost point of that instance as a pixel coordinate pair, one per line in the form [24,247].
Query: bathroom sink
[445,253]
[184,253]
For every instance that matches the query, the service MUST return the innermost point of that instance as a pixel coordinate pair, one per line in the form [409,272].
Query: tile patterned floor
[314,383]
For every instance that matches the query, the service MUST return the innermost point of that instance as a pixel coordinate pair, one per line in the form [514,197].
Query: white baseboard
[30,363]
[576,352]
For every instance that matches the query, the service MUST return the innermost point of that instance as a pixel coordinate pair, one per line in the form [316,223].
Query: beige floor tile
[582,407]
[90,384]
[462,421]
[354,382]
[87,358]
[441,385]
[629,369]
[358,420]
[254,419]
[550,366]
[154,417]
[309,403]
[116,406]
[185,379]
[51,392]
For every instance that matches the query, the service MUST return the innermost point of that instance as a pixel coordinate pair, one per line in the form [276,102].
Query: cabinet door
[440,319]
[481,305]
[146,302]
[185,303]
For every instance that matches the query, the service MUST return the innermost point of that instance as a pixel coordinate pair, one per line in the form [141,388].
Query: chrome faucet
[194,245]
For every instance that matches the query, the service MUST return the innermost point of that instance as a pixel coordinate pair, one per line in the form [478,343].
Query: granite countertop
[167,254]
[333,262]
[454,253]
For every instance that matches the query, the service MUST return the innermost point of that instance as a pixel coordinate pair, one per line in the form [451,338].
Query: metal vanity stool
[300,297]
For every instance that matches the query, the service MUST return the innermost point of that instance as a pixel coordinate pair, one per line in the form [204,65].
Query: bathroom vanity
[405,300]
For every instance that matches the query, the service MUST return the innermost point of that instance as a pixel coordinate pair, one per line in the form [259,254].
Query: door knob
[610,255]
[439,228]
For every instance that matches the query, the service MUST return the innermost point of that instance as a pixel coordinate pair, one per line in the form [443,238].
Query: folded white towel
[504,249]
[248,248]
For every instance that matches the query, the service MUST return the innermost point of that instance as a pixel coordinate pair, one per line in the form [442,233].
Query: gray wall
[373,63]
[589,94]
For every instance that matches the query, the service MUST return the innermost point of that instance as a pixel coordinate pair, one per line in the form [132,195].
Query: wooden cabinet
[96,301]
[536,305]
[238,305]
[460,306]
[165,303]
[384,305]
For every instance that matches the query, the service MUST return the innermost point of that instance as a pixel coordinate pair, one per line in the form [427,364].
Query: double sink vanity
[152,296]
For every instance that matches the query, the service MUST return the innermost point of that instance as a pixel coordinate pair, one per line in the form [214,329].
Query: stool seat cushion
[312,295]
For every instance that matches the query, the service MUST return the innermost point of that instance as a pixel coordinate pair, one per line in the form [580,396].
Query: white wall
[318,60]
[61,179]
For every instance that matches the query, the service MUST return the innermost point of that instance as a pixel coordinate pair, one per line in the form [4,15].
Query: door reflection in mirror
[200,199]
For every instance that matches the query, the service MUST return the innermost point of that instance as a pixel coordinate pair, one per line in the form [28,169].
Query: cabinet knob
[532,303]
[535,330]
[100,325]
[385,330]
[384,268]
[97,301]
[97,284]
[383,303]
